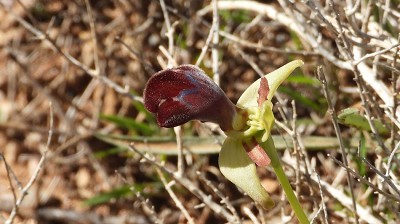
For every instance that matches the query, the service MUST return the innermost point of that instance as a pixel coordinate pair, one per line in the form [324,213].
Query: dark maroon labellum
[186,93]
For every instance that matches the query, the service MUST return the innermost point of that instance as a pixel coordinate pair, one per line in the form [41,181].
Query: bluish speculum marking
[185,92]
[182,94]
[192,80]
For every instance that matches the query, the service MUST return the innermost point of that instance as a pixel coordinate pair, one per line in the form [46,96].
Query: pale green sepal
[275,78]
[237,167]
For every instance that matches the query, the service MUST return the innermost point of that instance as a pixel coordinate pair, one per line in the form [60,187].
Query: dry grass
[71,78]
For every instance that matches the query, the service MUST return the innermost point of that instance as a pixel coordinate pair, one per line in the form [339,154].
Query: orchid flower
[186,93]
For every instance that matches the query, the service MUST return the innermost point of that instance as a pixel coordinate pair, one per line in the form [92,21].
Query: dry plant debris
[77,145]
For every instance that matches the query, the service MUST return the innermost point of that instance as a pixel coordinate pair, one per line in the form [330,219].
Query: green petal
[275,78]
[267,118]
[237,167]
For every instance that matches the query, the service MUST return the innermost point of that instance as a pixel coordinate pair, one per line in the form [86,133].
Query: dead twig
[215,40]
[171,63]
[35,175]
[168,187]
[364,213]
[332,112]
[93,73]
[224,199]
[218,209]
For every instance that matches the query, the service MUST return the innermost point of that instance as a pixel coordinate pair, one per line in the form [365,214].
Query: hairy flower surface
[186,93]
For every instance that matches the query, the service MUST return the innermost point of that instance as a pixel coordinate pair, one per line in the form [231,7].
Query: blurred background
[72,75]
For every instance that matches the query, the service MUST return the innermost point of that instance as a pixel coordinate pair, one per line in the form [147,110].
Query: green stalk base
[270,149]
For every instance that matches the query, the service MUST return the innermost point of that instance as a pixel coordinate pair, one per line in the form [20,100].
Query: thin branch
[35,175]
[260,47]
[173,196]
[224,199]
[393,116]
[322,199]
[314,39]
[206,46]
[147,66]
[251,62]
[218,209]
[332,112]
[171,63]
[215,40]
[94,37]
[364,180]
[179,145]
[168,55]
[9,173]
[93,73]
[297,143]
[364,213]
[251,215]
[376,53]
[395,122]
[147,206]
[170,31]
[272,13]
[397,147]
[383,176]
[353,9]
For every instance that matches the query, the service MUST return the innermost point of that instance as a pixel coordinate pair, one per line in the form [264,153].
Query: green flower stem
[270,149]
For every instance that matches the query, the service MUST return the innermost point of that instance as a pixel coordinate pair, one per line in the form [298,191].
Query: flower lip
[163,85]
[185,93]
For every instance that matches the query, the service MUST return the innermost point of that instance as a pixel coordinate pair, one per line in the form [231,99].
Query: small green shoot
[109,152]
[129,124]
[110,195]
[352,117]
[123,191]
[302,99]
